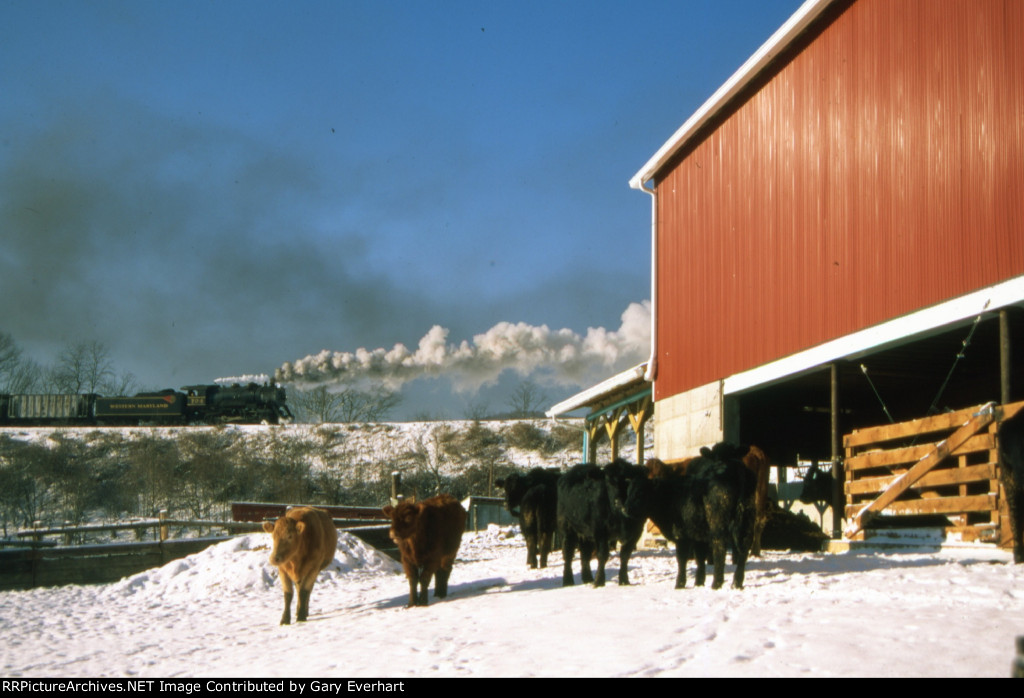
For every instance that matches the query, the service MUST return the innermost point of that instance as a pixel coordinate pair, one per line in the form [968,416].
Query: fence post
[163,526]
[396,485]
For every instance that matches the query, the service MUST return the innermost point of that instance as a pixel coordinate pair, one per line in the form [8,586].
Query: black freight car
[164,407]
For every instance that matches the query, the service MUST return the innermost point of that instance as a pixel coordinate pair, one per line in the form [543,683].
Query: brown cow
[428,535]
[755,461]
[305,541]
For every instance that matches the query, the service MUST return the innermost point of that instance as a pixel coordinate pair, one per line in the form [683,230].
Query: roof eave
[778,42]
[590,395]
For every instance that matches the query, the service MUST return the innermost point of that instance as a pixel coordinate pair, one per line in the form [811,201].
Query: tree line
[80,367]
[78,477]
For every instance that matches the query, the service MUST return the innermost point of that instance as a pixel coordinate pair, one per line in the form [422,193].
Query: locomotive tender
[198,404]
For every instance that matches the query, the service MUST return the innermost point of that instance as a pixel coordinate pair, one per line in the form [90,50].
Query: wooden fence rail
[90,564]
[161,524]
[36,562]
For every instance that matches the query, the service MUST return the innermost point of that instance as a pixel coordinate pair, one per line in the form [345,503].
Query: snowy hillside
[90,474]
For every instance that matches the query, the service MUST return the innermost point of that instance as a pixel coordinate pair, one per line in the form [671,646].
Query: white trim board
[911,327]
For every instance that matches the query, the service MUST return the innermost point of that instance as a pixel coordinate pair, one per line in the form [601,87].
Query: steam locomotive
[198,404]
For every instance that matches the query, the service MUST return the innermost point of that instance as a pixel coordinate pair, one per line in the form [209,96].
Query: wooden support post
[163,527]
[1005,376]
[639,413]
[838,496]
[593,434]
[613,426]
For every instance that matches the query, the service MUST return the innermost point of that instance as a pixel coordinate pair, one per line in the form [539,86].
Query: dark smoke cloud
[195,251]
[189,248]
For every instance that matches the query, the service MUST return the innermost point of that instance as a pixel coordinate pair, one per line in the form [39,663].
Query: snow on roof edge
[777,43]
[581,399]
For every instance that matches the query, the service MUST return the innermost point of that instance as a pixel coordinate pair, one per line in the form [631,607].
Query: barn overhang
[912,327]
[623,400]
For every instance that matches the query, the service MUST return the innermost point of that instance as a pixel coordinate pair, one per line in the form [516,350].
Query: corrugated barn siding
[878,172]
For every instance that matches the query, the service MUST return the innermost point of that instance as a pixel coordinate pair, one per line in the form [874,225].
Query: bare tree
[371,405]
[17,375]
[429,453]
[316,405]
[83,367]
[476,410]
[346,404]
[527,400]
[125,384]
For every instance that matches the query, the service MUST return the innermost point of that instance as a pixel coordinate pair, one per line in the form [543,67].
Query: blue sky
[216,188]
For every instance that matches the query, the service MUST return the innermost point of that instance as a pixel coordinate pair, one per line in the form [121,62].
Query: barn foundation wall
[687,421]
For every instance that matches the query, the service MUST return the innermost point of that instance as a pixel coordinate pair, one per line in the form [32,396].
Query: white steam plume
[258,378]
[561,357]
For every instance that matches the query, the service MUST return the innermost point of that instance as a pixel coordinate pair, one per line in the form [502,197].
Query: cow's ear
[389,511]
[705,451]
[300,526]
[268,527]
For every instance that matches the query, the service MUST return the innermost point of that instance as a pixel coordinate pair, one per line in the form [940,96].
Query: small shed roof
[620,386]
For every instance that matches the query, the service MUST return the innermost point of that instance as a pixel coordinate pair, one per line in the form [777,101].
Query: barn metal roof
[775,45]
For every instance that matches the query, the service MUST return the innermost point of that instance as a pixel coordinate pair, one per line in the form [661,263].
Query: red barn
[839,230]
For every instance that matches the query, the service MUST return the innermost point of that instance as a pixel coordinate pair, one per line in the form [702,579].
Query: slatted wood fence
[90,564]
[947,464]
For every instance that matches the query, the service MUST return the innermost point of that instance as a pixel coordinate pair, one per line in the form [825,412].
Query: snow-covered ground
[216,613]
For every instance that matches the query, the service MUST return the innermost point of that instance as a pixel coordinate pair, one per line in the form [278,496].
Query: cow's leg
[412,574]
[425,575]
[602,558]
[287,587]
[441,579]
[568,550]
[682,557]
[744,539]
[302,612]
[586,553]
[718,550]
[531,550]
[740,559]
[545,548]
[700,555]
[627,549]
[755,543]
[305,589]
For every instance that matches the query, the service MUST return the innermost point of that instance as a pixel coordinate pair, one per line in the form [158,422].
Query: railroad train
[197,404]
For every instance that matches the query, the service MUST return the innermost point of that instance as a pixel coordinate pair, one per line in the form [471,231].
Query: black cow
[1011,472]
[592,516]
[707,510]
[533,499]
[817,486]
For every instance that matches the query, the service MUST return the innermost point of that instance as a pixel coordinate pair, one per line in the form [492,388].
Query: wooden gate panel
[946,464]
